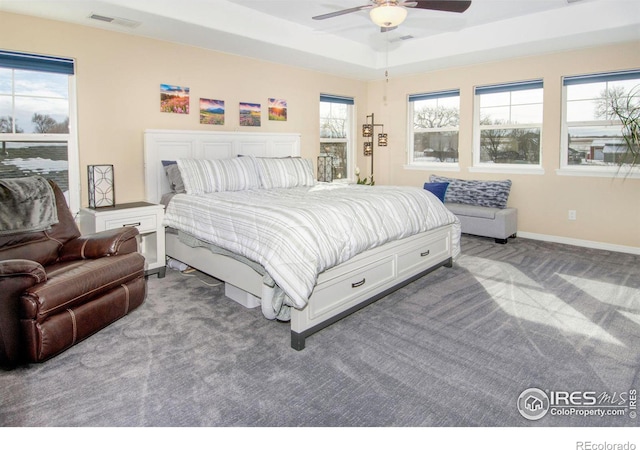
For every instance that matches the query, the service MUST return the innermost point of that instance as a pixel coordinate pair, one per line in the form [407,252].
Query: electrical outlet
[572,214]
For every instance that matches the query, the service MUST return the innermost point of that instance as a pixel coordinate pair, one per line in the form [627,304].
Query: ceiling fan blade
[457,6]
[340,13]
[385,29]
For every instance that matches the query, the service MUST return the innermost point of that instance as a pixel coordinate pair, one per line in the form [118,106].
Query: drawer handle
[358,284]
[137,224]
[425,253]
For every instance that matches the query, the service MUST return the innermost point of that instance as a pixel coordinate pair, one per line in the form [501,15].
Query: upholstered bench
[481,206]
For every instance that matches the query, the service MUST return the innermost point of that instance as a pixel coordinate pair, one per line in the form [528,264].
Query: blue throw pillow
[437,189]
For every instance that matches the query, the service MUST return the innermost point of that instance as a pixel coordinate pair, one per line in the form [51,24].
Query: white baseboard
[580,242]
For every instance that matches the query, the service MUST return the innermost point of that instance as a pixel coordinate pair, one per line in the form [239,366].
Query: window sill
[444,167]
[511,169]
[602,172]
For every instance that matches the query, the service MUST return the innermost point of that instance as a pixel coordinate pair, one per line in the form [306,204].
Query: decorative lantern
[101,186]
[325,168]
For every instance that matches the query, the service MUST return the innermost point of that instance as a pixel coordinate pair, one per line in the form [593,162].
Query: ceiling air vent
[102,18]
[116,20]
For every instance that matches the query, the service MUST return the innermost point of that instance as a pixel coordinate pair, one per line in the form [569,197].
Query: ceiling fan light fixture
[388,15]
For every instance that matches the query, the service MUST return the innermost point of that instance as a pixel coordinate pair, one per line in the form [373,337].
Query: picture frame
[277,109]
[250,114]
[211,111]
[174,99]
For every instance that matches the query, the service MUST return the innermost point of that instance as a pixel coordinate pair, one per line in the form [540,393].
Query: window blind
[40,63]
[336,99]
[509,87]
[433,95]
[601,77]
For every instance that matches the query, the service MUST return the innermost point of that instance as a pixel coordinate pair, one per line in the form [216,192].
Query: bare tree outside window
[7,123]
[436,117]
[602,121]
[509,145]
[435,127]
[509,123]
[34,125]
[608,101]
[44,123]
[334,136]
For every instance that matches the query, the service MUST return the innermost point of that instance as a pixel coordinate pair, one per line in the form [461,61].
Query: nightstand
[146,217]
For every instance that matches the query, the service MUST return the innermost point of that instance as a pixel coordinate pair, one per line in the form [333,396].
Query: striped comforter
[297,233]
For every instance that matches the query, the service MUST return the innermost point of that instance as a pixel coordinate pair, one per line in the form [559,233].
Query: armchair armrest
[16,276]
[117,241]
[22,267]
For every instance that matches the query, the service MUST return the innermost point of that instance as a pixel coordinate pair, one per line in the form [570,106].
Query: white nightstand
[147,217]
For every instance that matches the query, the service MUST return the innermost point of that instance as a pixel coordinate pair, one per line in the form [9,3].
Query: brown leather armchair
[58,287]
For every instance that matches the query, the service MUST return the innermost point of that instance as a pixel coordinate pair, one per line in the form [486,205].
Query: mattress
[298,233]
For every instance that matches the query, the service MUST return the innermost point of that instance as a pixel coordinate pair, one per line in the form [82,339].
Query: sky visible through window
[34,102]
[34,124]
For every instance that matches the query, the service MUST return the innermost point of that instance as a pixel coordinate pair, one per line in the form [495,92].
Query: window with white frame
[336,123]
[35,117]
[434,127]
[593,134]
[508,124]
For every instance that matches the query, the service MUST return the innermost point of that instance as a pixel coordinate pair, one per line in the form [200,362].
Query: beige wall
[118,91]
[118,78]
[608,210]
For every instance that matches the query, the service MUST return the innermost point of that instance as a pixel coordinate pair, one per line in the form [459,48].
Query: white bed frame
[340,290]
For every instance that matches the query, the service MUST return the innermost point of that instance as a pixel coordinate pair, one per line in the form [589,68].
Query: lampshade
[367,130]
[388,15]
[368,148]
[382,139]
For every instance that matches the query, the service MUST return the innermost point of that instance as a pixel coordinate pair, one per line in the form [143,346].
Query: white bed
[339,290]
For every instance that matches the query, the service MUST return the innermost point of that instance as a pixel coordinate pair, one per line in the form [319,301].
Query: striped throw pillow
[285,172]
[202,176]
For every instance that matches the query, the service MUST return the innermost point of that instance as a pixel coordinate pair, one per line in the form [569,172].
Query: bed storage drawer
[350,286]
[431,250]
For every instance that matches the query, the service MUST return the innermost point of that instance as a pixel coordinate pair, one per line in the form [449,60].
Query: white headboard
[169,145]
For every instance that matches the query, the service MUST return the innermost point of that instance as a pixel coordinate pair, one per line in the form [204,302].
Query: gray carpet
[455,348]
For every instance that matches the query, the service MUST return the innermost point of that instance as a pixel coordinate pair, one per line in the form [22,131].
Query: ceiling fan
[388,14]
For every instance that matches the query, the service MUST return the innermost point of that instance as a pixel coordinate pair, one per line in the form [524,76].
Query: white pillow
[285,172]
[202,176]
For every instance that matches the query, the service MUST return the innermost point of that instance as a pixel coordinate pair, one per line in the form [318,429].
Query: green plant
[366,181]
[626,108]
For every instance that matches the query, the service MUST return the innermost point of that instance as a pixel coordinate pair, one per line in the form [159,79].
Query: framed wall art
[174,99]
[211,111]
[250,114]
[277,109]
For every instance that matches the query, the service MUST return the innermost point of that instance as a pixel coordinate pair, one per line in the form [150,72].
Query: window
[592,135]
[35,118]
[508,125]
[434,128]
[336,131]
